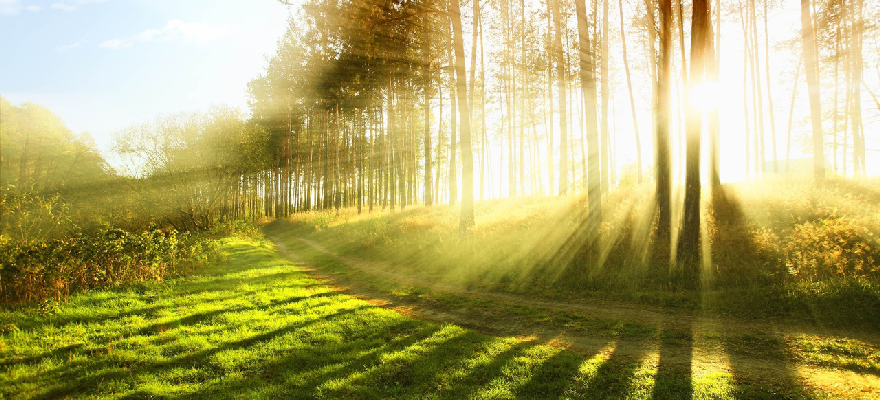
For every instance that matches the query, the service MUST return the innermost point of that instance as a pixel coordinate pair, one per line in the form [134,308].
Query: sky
[102,65]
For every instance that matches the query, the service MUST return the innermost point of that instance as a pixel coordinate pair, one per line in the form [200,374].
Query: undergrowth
[40,271]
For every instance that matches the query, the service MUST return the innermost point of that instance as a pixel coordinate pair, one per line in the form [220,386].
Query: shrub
[832,248]
[239,228]
[38,271]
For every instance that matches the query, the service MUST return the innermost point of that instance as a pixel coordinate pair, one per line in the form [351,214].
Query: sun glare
[706,96]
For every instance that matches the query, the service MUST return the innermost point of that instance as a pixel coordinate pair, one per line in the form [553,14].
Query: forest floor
[295,320]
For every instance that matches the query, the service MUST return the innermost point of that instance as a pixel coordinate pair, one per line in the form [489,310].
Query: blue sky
[102,65]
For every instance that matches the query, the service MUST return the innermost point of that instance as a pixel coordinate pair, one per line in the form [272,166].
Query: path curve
[829,380]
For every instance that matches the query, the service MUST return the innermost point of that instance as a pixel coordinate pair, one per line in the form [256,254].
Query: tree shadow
[551,377]
[486,372]
[617,375]
[762,367]
[674,372]
[195,319]
[343,362]
[78,379]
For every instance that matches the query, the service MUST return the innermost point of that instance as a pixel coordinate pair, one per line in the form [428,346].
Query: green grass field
[257,326]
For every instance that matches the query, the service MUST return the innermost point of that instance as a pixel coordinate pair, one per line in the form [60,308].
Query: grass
[256,326]
[779,249]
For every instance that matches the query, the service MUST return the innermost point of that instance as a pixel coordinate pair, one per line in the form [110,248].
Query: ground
[293,320]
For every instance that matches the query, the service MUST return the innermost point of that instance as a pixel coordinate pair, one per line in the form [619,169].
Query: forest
[487,199]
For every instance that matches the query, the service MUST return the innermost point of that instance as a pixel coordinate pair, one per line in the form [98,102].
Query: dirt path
[759,352]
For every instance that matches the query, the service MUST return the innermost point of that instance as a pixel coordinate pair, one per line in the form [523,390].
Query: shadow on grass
[617,376]
[110,370]
[762,368]
[485,372]
[290,373]
[761,365]
[674,373]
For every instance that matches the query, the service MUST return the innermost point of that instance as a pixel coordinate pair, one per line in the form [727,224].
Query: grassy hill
[778,249]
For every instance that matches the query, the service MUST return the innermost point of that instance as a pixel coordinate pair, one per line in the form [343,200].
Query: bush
[38,271]
[832,248]
[239,228]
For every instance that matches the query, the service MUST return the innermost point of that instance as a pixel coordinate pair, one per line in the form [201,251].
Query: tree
[588,89]
[563,119]
[714,121]
[467,170]
[663,240]
[606,99]
[40,154]
[857,65]
[426,71]
[701,49]
[629,86]
[808,41]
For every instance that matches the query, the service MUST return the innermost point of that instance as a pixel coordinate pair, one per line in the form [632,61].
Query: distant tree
[588,88]
[811,62]
[39,154]
[467,171]
[563,118]
[629,87]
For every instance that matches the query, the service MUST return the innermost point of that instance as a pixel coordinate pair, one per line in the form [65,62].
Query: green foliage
[40,154]
[236,228]
[25,217]
[780,232]
[191,170]
[43,270]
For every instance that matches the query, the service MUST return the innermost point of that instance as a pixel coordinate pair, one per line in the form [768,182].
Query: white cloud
[71,5]
[10,7]
[70,47]
[193,32]
[14,7]
[174,30]
[63,6]
[115,44]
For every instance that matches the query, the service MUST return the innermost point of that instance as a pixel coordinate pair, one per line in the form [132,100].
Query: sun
[706,96]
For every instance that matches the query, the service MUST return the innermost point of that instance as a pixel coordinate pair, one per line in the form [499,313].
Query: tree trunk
[809,49]
[522,100]
[453,90]
[550,53]
[714,121]
[467,171]
[605,175]
[769,92]
[701,47]
[663,242]
[791,114]
[629,86]
[588,90]
[485,141]
[563,127]
[429,192]
[856,64]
